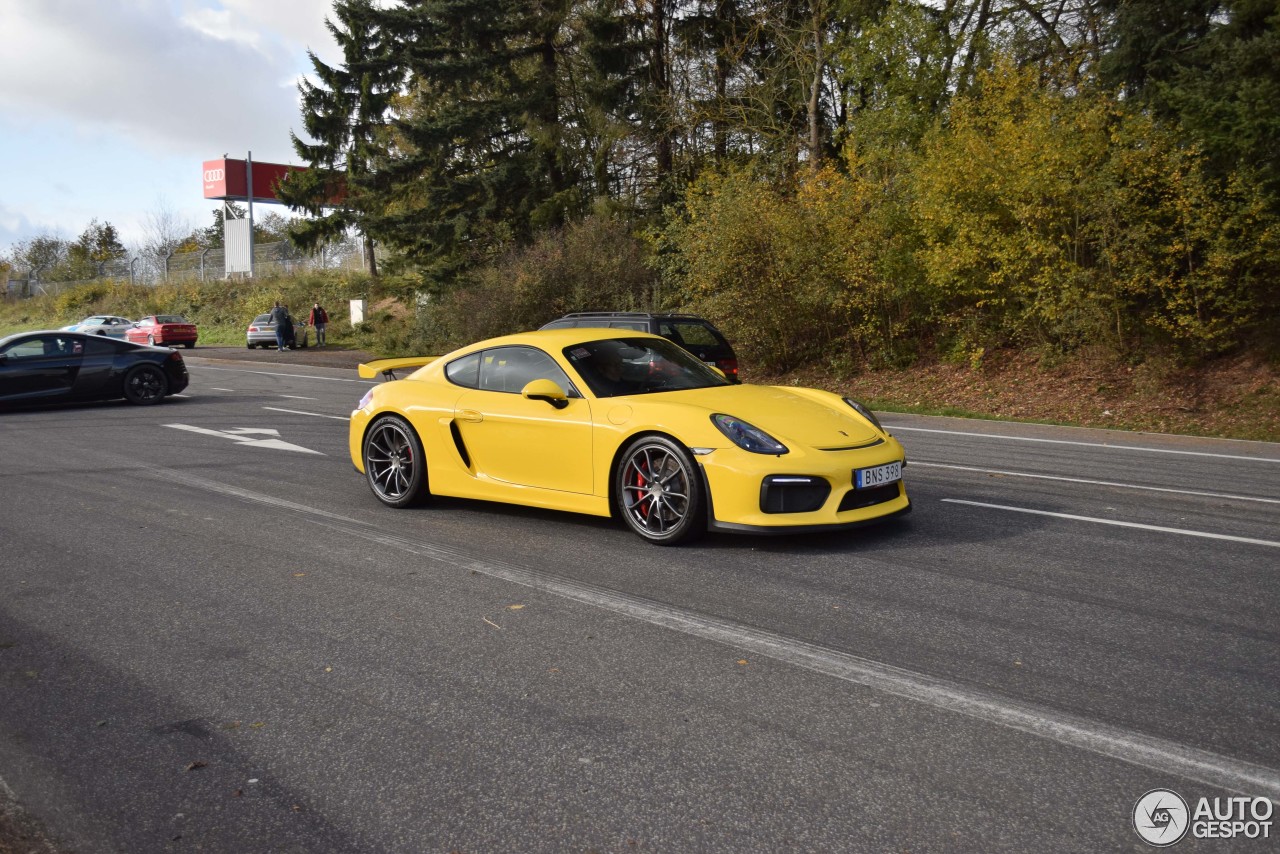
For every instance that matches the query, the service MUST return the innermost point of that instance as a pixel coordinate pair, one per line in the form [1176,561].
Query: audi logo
[213,174]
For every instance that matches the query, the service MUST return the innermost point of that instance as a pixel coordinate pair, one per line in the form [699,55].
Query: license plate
[877,475]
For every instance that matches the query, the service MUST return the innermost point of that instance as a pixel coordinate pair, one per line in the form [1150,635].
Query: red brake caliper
[640,484]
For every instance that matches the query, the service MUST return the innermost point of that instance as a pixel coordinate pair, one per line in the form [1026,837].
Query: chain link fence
[281,258]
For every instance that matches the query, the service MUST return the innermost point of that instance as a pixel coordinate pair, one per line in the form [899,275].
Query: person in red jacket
[318,318]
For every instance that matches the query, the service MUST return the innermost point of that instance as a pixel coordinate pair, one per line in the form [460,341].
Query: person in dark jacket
[284,324]
[319,318]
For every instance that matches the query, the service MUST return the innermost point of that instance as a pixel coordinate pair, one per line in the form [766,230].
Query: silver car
[262,333]
[101,324]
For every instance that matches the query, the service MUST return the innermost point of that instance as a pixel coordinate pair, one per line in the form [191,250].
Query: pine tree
[478,155]
[345,115]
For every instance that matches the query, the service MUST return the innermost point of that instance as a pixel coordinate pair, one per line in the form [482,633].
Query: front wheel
[394,463]
[151,340]
[658,493]
[145,385]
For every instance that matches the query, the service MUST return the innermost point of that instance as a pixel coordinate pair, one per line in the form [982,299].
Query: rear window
[696,334]
[170,318]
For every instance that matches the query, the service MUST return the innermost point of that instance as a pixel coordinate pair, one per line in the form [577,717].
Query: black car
[691,332]
[54,367]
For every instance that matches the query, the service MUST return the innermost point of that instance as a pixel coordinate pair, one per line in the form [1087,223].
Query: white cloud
[172,80]
[106,104]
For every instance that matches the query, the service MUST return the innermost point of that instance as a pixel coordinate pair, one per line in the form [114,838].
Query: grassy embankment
[1232,397]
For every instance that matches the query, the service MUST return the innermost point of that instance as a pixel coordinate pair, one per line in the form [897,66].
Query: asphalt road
[213,638]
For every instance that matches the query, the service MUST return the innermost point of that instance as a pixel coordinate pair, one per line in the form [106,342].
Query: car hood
[788,415]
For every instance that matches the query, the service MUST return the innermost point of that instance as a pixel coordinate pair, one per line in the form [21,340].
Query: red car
[164,330]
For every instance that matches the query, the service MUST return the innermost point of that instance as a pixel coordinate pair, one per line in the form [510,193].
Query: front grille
[858,498]
[785,493]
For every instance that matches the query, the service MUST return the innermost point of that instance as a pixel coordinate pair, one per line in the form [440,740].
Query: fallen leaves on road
[194,765]
[491,622]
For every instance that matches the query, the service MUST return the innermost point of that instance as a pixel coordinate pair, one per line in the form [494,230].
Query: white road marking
[243,436]
[291,376]
[215,388]
[312,414]
[1097,482]
[1117,523]
[299,397]
[1109,447]
[1155,754]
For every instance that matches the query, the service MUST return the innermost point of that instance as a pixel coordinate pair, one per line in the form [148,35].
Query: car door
[40,366]
[512,439]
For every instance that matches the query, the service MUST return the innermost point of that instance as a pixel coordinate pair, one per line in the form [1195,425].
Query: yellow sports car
[607,422]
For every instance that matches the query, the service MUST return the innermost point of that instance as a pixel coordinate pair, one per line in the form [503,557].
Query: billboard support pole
[248,168]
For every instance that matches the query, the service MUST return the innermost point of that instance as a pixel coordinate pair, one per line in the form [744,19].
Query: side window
[29,349]
[45,345]
[465,371]
[636,325]
[510,369]
[696,334]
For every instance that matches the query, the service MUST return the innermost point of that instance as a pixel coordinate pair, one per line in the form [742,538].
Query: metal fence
[281,258]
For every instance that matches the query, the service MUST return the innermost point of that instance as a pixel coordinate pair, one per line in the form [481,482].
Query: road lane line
[312,414]
[215,388]
[299,397]
[1134,748]
[1141,448]
[290,376]
[915,463]
[1185,532]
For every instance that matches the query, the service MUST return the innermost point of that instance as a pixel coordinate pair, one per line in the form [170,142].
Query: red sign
[228,179]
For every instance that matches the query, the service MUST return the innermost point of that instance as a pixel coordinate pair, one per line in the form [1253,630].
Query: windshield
[619,366]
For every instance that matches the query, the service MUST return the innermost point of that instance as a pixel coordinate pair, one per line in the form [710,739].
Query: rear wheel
[658,492]
[394,463]
[190,344]
[145,385]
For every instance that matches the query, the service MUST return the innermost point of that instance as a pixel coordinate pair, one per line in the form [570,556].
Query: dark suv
[691,332]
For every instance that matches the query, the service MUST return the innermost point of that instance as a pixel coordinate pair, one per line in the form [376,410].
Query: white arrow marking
[243,436]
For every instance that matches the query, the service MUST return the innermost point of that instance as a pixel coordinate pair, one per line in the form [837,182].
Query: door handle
[470,415]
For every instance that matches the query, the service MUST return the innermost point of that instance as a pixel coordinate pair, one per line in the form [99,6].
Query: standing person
[280,317]
[319,318]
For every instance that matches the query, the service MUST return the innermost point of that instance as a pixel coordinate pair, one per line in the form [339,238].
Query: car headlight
[747,437]
[864,412]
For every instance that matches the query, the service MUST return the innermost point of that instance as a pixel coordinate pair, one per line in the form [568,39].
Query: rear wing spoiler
[388,367]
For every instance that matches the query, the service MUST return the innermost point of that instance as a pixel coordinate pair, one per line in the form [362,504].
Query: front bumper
[738,493]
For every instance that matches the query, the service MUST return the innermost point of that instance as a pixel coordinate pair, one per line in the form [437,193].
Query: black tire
[394,463]
[145,385]
[658,492]
[191,345]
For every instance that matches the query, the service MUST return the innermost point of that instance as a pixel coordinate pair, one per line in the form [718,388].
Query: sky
[109,107]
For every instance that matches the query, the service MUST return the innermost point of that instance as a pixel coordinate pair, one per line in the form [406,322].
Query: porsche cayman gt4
[624,424]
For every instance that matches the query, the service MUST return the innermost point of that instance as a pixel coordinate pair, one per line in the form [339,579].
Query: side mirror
[546,390]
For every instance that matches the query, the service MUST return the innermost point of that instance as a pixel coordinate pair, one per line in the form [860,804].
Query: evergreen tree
[478,156]
[345,114]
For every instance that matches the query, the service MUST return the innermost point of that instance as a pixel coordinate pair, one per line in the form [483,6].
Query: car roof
[630,315]
[554,339]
